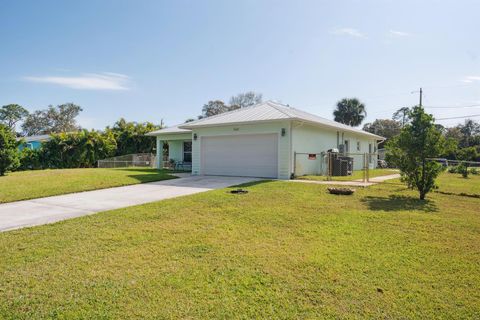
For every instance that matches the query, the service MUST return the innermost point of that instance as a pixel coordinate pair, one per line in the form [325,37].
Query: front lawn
[356,175]
[284,250]
[42,183]
[454,183]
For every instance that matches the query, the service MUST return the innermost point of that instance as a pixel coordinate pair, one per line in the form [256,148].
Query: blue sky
[153,60]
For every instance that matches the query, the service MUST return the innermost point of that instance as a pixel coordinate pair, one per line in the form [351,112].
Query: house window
[347,146]
[187,151]
[358,145]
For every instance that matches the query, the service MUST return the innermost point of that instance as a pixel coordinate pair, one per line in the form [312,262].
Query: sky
[162,60]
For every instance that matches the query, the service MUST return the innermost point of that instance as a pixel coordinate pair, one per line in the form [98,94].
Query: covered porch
[174,149]
[175,152]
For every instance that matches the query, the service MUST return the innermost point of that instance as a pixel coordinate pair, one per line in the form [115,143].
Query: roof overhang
[360,132]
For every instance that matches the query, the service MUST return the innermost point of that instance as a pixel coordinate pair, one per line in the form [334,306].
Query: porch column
[159,153]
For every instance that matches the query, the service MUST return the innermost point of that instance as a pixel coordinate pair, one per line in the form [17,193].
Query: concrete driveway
[51,209]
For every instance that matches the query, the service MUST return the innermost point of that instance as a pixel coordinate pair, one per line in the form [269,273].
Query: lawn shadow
[461,194]
[250,184]
[399,203]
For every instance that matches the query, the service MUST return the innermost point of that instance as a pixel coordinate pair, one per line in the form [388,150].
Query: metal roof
[270,111]
[43,137]
[169,130]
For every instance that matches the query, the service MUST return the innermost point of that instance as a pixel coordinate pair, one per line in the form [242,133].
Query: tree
[11,114]
[350,112]
[418,141]
[246,99]
[467,154]
[213,107]
[131,137]
[52,120]
[383,127]
[401,115]
[470,131]
[9,158]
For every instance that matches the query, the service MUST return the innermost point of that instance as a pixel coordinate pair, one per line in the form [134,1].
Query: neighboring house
[268,140]
[33,142]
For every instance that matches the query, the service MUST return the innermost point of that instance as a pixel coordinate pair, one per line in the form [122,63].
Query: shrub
[452,169]
[474,171]
[8,150]
[78,149]
[31,159]
[463,169]
[70,150]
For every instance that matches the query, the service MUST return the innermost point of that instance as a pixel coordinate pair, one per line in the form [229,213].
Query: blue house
[33,142]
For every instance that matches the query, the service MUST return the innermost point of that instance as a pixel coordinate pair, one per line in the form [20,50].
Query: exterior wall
[307,138]
[284,167]
[175,146]
[34,145]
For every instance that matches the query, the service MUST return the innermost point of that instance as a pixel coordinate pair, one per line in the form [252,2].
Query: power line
[462,117]
[453,107]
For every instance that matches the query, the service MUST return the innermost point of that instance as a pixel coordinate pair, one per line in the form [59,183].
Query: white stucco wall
[308,138]
[258,128]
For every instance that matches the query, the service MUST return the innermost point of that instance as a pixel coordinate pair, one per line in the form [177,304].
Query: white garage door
[242,155]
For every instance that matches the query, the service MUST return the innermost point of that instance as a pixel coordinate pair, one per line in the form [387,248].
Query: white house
[266,140]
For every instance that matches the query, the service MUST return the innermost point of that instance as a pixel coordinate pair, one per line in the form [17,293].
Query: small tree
[9,158]
[418,141]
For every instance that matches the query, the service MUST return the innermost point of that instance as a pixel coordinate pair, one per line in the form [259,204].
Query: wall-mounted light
[195,136]
[284,132]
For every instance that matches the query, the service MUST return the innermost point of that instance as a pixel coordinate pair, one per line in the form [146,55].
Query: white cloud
[348,32]
[87,81]
[396,33]
[471,79]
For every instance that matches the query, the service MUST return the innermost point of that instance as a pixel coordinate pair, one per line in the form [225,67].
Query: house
[33,142]
[268,140]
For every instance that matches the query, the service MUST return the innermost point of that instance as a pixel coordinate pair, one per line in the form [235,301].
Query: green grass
[284,250]
[454,183]
[356,175]
[42,183]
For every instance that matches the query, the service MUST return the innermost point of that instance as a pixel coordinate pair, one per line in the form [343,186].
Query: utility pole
[421,94]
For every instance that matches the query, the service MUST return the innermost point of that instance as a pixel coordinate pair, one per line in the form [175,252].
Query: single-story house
[268,140]
[33,142]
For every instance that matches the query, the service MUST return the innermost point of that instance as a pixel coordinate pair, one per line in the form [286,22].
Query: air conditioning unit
[341,148]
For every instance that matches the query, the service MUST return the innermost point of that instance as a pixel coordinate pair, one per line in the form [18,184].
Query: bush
[78,149]
[8,150]
[474,171]
[70,150]
[463,169]
[31,159]
[452,169]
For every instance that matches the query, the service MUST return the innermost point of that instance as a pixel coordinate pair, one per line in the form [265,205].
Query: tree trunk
[422,195]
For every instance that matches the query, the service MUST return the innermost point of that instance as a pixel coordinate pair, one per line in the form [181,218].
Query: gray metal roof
[43,137]
[270,111]
[169,130]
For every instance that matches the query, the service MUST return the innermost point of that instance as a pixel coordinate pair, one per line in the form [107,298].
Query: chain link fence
[129,160]
[335,166]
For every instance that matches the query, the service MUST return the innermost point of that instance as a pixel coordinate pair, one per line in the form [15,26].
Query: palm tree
[350,112]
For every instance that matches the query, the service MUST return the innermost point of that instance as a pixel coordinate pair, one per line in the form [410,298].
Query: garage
[249,155]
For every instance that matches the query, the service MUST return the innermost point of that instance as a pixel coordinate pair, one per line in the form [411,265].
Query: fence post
[294,164]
